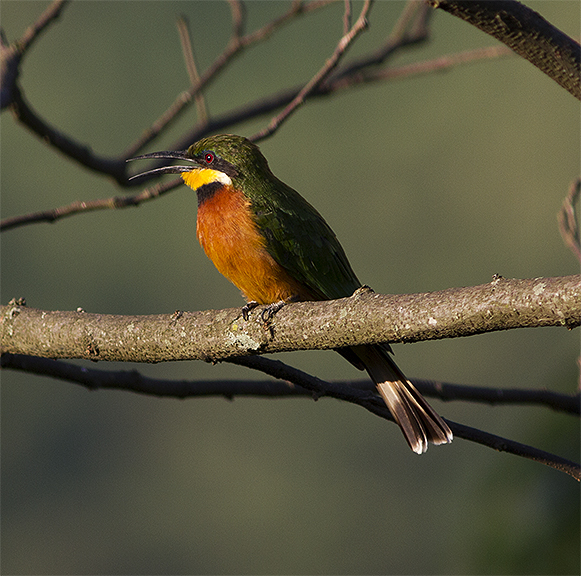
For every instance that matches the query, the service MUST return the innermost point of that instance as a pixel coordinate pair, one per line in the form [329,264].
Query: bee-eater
[275,247]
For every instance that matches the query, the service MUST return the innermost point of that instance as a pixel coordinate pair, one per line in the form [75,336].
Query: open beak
[179,155]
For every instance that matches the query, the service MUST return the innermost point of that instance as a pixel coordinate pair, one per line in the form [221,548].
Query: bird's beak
[179,155]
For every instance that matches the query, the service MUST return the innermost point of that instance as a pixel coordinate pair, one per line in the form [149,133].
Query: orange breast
[228,234]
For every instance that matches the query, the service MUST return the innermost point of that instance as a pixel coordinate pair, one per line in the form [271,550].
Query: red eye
[209,157]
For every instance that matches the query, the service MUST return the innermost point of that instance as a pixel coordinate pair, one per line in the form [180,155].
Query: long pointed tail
[418,421]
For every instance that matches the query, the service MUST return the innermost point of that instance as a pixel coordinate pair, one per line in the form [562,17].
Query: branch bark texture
[527,33]
[365,318]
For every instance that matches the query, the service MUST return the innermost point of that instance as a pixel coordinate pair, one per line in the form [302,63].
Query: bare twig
[12,55]
[347,16]
[568,221]
[372,403]
[410,29]
[510,446]
[238,12]
[191,67]
[344,43]
[236,45]
[418,68]
[111,203]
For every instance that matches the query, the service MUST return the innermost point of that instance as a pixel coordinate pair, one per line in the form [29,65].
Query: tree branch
[568,223]
[291,382]
[525,32]
[133,381]
[112,203]
[410,29]
[11,55]
[344,43]
[235,47]
[365,318]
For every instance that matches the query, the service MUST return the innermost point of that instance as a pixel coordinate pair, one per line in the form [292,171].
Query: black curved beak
[179,155]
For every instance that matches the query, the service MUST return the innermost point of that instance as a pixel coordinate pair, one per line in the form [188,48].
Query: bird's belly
[230,238]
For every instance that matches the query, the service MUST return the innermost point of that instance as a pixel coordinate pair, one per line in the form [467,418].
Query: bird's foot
[269,312]
[363,290]
[247,308]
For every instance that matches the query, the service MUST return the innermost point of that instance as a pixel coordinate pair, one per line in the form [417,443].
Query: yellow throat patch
[200,176]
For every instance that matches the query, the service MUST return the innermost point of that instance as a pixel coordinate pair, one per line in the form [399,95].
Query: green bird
[276,248]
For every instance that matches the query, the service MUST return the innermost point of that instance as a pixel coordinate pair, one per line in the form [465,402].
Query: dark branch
[132,380]
[11,55]
[293,382]
[525,32]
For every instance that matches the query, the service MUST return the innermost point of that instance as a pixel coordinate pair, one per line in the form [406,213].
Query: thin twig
[418,68]
[233,49]
[344,43]
[11,55]
[374,404]
[238,13]
[347,17]
[188,50]
[409,30]
[111,203]
[568,221]
[32,33]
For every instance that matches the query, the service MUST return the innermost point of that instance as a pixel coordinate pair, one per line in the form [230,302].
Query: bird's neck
[206,182]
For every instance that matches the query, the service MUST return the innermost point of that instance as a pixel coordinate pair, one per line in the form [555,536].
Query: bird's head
[216,160]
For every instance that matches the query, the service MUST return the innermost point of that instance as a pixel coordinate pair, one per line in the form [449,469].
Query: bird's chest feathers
[226,228]
[230,237]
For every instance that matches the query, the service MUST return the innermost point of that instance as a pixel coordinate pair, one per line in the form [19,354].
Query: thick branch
[365,318]
[525,32]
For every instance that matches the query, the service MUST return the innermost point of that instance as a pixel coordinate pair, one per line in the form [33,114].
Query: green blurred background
[432,182]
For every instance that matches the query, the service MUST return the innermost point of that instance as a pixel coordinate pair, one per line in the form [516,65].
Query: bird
[276,248]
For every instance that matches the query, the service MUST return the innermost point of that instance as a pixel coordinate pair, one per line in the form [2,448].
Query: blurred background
[432,182]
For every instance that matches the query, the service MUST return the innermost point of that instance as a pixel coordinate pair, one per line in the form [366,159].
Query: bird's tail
[418,421]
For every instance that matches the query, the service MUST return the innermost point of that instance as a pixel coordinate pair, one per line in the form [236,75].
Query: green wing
[300,240]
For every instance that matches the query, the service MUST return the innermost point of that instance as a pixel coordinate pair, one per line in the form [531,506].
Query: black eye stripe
[214,162]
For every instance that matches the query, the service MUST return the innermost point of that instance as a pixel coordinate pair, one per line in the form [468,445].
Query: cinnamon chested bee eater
[275,247]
